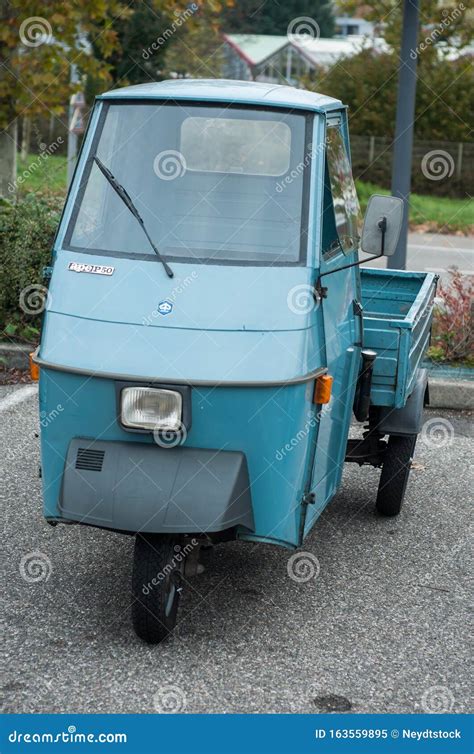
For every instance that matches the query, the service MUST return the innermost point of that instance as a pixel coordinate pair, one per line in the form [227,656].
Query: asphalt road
[382,628]
[435,252]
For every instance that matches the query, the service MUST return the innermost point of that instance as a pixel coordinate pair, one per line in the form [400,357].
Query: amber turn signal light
[323,388]
[34,369]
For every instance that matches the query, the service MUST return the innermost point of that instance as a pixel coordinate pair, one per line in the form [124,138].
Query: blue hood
[208,323]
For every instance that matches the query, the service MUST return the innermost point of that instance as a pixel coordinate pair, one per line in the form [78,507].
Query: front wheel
[395,471]
[156,586]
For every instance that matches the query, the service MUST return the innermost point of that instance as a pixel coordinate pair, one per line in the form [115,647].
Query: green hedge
[27,231]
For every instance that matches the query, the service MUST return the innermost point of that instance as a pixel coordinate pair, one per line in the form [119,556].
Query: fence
[443,168]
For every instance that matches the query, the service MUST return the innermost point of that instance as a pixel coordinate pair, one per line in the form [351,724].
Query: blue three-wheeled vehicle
[209,333]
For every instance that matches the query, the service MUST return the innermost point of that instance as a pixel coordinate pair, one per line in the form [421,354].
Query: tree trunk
[25,137]
[8,140]
[51,128]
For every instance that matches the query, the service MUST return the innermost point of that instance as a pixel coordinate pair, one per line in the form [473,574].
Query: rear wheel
[395,472]
[156,586]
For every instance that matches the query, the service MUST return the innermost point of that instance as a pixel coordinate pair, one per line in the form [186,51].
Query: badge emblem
[95,269]
[165,307]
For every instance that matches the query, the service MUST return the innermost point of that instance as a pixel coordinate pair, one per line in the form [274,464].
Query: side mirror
[382,225]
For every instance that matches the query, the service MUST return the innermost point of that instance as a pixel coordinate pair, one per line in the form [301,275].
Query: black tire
[395,473]
[156,587]
[206,556]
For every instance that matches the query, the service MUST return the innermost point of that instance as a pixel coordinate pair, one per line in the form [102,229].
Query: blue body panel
[228,91]
[265,423]
[231,328]
[214,333]
[398,309]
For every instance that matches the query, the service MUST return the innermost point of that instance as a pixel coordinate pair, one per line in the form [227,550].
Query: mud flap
[409,419]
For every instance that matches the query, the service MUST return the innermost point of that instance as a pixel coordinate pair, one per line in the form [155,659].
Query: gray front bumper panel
[133,486]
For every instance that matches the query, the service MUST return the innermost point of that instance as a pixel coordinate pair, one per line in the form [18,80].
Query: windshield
[217,184]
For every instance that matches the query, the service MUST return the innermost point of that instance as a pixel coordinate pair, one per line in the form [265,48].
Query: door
[342,331]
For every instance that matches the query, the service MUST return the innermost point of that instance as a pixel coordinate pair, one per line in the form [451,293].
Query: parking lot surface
[381,626]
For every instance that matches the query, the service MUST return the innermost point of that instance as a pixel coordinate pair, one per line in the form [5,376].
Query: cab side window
[331,245]
[341,205]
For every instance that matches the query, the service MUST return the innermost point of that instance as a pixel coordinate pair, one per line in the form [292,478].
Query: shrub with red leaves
[452,336]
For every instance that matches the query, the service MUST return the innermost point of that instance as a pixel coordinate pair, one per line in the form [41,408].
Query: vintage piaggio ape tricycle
[209,333]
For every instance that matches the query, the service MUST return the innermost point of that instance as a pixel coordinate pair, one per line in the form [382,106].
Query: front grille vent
[89,460]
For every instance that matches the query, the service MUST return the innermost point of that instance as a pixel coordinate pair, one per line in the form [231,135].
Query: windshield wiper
[122,193]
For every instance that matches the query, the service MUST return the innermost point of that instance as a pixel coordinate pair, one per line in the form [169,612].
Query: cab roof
[222,90]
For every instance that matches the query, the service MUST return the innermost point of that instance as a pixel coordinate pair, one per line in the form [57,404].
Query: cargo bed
[398,309]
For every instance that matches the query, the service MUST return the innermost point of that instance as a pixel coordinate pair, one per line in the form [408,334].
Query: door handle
[358,310]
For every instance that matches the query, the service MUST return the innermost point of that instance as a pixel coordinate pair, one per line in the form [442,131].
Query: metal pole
[403,145]
[71,138]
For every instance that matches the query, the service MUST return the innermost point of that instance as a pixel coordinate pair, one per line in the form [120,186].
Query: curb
[454,394]
[15,355]
[445,391]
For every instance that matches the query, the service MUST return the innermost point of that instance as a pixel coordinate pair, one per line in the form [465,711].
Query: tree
[275,17]
[36,53]
[195,46]
[368,84]
[133,60]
